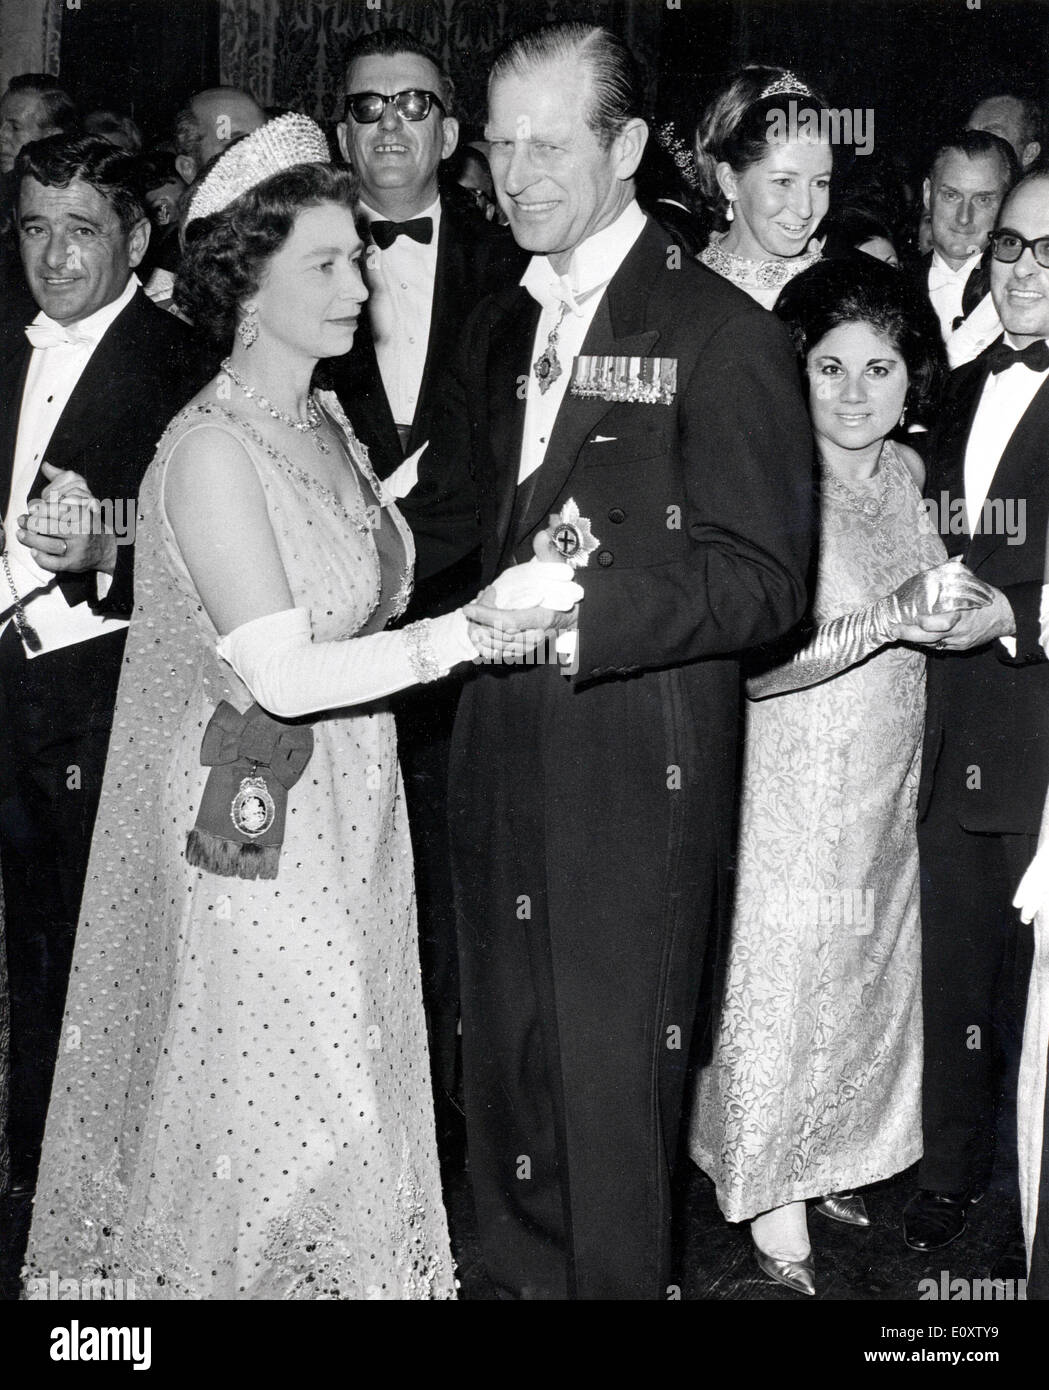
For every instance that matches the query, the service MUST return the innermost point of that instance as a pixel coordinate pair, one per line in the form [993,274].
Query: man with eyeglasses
[428,263]
[986,760]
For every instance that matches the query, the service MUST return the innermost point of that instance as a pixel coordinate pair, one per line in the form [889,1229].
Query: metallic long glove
[843,642]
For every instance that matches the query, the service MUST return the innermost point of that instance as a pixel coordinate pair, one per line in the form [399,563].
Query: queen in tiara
[242,1109]
[765,177]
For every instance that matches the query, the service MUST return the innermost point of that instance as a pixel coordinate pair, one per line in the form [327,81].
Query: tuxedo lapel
[447,287]
[1015,477]
[578,417]
[13,368]
[511,361]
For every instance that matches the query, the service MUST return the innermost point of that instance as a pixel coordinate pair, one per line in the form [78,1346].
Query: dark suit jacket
[703,507]
[987,710]
[976,287]
[474,259]
[142,372]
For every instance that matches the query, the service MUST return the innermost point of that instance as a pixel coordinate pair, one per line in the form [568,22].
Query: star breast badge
[574,541]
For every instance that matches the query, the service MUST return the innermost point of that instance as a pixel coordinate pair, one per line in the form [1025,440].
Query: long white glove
[289,674]
[537,584]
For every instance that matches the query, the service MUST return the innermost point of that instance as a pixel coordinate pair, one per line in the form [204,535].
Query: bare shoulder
[914,463]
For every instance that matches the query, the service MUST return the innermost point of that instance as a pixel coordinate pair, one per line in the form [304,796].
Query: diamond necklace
[308,426]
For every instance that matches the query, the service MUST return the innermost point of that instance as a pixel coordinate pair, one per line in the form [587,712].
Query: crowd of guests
[575,659]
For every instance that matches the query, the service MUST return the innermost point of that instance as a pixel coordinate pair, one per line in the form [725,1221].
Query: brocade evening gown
[242,1104]
[814,1085]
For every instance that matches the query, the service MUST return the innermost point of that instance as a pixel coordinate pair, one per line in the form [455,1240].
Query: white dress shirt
[400,283]
[51,378]
[1003,402]
[980,329]
[591,267]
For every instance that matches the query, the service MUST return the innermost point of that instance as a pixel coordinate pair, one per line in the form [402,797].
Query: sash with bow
[254,760]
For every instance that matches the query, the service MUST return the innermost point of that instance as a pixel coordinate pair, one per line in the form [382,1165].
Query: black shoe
[932,1220]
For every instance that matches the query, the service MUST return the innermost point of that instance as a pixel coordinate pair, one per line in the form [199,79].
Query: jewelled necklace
[309,426]
[766,275]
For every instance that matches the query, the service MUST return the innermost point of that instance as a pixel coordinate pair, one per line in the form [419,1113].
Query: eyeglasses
[1009,246]
[413,105]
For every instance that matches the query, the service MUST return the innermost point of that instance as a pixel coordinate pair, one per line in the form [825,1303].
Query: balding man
[210,121]
[1015,119]
[986,760]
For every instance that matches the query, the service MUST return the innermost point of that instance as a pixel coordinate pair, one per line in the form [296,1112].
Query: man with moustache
[969,176]
[85,392]
[428,263]
[655,411]
[986,760]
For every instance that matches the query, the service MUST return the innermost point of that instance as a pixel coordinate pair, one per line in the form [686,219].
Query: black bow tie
[1034,355]
[384,234]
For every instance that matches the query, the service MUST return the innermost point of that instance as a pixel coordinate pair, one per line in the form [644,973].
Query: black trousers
[585,874]
[976,962]
[58,710]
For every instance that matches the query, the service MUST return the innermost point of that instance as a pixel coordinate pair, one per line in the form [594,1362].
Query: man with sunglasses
[428,263]
[986,761]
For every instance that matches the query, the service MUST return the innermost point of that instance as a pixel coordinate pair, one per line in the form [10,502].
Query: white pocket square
[604,439]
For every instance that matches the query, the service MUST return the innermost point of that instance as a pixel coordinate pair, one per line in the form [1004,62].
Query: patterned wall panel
[291,52]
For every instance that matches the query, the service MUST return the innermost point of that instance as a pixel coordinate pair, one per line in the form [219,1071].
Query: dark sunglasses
[413,105]
[1009,246]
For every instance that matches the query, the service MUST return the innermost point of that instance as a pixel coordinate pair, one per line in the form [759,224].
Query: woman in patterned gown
[242,1107]
[764,174]
[814,1087]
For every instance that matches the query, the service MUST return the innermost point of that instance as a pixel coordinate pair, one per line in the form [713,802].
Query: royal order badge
[253,811]
[573,538]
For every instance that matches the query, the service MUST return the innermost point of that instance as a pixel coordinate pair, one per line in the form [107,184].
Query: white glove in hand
[537,584]
[1032,896]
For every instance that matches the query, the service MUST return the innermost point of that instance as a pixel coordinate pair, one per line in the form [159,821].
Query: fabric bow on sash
[254,760]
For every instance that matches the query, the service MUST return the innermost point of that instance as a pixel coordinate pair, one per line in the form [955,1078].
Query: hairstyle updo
[734,128]
[225,255]
[860,289]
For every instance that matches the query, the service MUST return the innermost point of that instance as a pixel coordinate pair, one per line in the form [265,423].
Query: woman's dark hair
[739,126]
[224,256]
[860,289]
[845,229]
[112,172]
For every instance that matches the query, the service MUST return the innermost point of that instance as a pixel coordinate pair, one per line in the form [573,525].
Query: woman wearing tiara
[764,165]
[242,1108]
[814,1086]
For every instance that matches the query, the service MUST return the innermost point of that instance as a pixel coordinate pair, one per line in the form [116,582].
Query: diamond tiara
[278,145]
[787,85]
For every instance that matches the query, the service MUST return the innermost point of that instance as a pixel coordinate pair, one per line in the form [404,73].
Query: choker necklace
[307,426]
[770,275]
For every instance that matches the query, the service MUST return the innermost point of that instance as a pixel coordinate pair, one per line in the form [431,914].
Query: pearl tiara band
[278,145]
[786,86]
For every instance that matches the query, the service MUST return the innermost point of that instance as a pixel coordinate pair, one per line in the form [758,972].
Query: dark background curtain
[919,64]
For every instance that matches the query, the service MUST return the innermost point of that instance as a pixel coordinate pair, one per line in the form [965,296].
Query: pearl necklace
[307,426]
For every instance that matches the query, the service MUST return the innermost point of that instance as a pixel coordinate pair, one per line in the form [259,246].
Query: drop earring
[729,214]
[248,328]
[903,418]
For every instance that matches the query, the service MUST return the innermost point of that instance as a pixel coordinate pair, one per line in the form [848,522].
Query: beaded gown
[814,1085]
[242,1104]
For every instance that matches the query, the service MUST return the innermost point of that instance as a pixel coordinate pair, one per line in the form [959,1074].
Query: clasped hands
[950,609]
[525,605]
[63,527]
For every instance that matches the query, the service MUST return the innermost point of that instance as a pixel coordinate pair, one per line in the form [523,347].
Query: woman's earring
[729,214]
[248,328]
[903,418]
